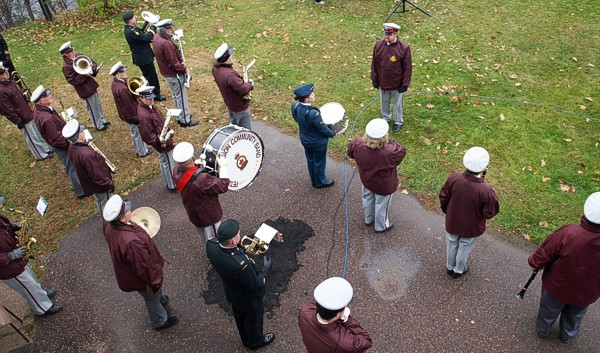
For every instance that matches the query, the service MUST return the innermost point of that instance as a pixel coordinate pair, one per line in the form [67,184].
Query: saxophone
[166,133]
[26,241]
[247,97]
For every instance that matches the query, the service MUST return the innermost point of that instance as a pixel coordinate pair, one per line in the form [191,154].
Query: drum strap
[189,175]
[306,114]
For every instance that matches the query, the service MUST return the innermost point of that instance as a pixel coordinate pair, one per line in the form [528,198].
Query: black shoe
[150,151]
[160,98]
[171,320]
[543,336]
[191,123]
[266,340]
[104,127]
[107,123]
[397,127]
[54,309]
[385,230]
[51,293]
[450,272]
[458,275]
[165,301]
[173,190]
[80,197]
[330,182]
[369,224]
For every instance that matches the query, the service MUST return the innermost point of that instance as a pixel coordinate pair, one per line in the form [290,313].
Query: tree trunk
[29,10]
[51,6]
[47,14]
[6,8]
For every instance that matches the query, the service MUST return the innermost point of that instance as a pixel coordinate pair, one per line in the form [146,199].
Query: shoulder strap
[187,177]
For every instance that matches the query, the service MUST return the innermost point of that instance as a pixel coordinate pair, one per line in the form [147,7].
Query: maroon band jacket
[467,202]
[569,258]
[13,105]
[85,85]
[125,101]
[92,171]
[377,168]
[151,124]
[232,87]
[8,242]
[167,56]
[391,65]
[201,197]
[135,257]
[50,125]
[338,336]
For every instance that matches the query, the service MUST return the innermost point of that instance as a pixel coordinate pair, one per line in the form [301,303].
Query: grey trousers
[27,285]
[140,147]
[102,199]
[180,97]
[156,310]
[550,309]
[458,251]
[94,108]
[242,118]
[207,233]
[35,141]
[376,208]
[386,97]
[166,168]
[70,170]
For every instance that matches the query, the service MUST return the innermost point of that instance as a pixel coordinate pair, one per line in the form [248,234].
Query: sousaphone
[147,218]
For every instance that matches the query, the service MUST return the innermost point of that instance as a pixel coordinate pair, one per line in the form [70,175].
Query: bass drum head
[332,113]
[244,152]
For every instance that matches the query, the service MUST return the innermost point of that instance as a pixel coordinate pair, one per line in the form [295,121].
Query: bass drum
[243,149]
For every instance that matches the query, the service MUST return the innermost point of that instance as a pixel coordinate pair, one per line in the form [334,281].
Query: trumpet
[247,97]
[136,82]
[67,114]
[254,246]
[111,166]
[26,241]
[150,21]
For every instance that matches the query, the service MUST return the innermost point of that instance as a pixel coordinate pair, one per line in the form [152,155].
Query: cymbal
[147,218]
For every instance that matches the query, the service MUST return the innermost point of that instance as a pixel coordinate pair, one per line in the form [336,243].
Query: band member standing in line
[5,55]
[468,203]
[16,273]
[92,171]
[243,282]
[169,60]
[151,124]
[391,72]
[327,325]
[314,134]
[377,158]
[200,191]
[141,51]
[136,260]
[232,87]
[85,86]
[50,126]
[16,109]
[571,279]
[126,103]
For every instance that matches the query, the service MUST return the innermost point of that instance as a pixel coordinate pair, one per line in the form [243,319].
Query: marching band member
[5,55]
[85,86]
[570,282]
[169,62]
[136,260]
[15,108]
[92,171]
[151,124]
[391,72]
[50,126]
[377,158]
[200,191]
[232,87]
[16,273]
[141,51]
[314,134]
[126,104]
[327,326]
[243,282]
[468,203]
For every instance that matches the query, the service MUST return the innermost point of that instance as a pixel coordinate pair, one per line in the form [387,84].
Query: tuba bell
[148,219]
[150,19]
[136,82]
[83,65]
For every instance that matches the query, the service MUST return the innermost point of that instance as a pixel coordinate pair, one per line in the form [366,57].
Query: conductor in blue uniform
[314,134]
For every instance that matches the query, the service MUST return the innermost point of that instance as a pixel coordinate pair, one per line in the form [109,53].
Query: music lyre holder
[403,3]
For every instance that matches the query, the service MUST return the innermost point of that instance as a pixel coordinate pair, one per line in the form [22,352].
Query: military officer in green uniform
[244,283]
[141,52]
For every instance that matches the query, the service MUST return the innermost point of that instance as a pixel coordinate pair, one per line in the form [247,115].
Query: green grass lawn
[475,63]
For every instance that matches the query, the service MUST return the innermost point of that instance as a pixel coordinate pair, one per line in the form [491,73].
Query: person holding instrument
[468,202]
[571,277]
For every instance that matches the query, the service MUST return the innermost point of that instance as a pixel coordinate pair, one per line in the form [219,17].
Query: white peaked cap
[591,209]
[115,207]
[183,152]
[70,129]
[476,159]
[334,293]
[377,128]
[116,67]
[64,46]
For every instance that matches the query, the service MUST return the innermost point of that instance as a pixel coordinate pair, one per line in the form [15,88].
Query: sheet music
[42,206]
[265,233]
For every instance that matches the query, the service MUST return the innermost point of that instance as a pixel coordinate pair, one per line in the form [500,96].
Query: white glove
[87,135]
[251,81]
[222,165]
[346,314]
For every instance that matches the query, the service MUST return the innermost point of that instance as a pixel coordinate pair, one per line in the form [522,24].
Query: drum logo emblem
[241,161]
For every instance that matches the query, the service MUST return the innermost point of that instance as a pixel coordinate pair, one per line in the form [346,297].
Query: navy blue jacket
[313,131]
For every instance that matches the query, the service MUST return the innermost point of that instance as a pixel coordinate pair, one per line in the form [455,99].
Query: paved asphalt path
[403,295]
